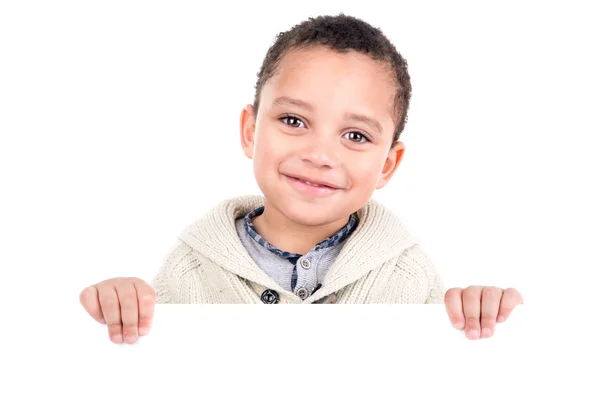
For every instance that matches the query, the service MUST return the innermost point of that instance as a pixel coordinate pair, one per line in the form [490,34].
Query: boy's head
[331,101]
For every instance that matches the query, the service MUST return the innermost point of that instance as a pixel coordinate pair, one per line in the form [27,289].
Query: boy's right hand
[126,305]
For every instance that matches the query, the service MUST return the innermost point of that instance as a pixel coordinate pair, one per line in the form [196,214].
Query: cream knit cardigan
[379,263]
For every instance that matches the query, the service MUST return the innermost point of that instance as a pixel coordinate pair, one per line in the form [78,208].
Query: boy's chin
[308,214]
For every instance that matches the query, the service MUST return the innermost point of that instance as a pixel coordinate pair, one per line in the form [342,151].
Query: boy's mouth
[314,182]
[311,188]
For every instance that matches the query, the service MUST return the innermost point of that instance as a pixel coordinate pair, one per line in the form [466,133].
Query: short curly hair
[342,33]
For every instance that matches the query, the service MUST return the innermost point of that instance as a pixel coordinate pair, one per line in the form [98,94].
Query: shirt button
[305,263]
[302,293]
[270,297]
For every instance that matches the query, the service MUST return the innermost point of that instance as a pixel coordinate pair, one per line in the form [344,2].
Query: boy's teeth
[311,184]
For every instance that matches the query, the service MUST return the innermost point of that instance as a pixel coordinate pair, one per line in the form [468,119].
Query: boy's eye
[292,121]
[357,137]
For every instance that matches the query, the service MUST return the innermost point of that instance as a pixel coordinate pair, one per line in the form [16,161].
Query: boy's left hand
[476,309]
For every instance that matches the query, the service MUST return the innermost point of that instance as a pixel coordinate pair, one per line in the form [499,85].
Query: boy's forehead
[326,66]
[327,79]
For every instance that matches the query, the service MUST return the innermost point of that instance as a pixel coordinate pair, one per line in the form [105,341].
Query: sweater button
[302,293]
[305,263]
[270,297]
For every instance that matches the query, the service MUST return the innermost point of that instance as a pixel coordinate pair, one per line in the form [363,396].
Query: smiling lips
[314,182]
[313,187]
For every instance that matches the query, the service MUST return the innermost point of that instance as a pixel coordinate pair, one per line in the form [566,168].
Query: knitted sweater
[379,263]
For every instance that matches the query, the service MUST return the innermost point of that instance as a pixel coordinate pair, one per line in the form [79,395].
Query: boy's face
[326,118]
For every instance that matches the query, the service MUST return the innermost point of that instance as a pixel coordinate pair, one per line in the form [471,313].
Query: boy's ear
[391,164]
[247,130]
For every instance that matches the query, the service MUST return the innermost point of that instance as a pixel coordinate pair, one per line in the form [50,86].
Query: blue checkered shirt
[293,271]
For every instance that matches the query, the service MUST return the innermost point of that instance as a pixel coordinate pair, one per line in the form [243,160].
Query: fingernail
[144,331]
[116,338]
[486,332]
[130,339]
[473,334]
[102,321]
[500,318]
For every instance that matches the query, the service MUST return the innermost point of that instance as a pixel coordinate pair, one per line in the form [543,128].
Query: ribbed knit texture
[379,263]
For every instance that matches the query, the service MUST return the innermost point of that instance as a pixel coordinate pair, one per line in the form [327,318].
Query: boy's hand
[126,305]
[476,309]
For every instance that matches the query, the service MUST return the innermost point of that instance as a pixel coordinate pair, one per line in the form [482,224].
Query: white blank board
[338,351]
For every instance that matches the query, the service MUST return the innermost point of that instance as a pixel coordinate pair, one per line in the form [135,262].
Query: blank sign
[333,351]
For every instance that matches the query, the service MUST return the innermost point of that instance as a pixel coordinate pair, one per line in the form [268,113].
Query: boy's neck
[289,236]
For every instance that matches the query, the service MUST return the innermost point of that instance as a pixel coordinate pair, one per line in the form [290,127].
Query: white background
[119,127]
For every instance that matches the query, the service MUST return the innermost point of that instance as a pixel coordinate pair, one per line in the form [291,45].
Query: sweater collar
[378,237]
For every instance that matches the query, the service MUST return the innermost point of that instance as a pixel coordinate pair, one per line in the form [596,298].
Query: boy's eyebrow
[366,120]
[288,101]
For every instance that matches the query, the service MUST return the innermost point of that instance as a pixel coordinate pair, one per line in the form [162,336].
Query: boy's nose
[320,153]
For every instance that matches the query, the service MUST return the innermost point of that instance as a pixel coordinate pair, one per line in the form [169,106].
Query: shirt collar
[331,241]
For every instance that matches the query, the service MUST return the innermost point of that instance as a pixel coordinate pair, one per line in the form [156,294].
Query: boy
[331,101]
